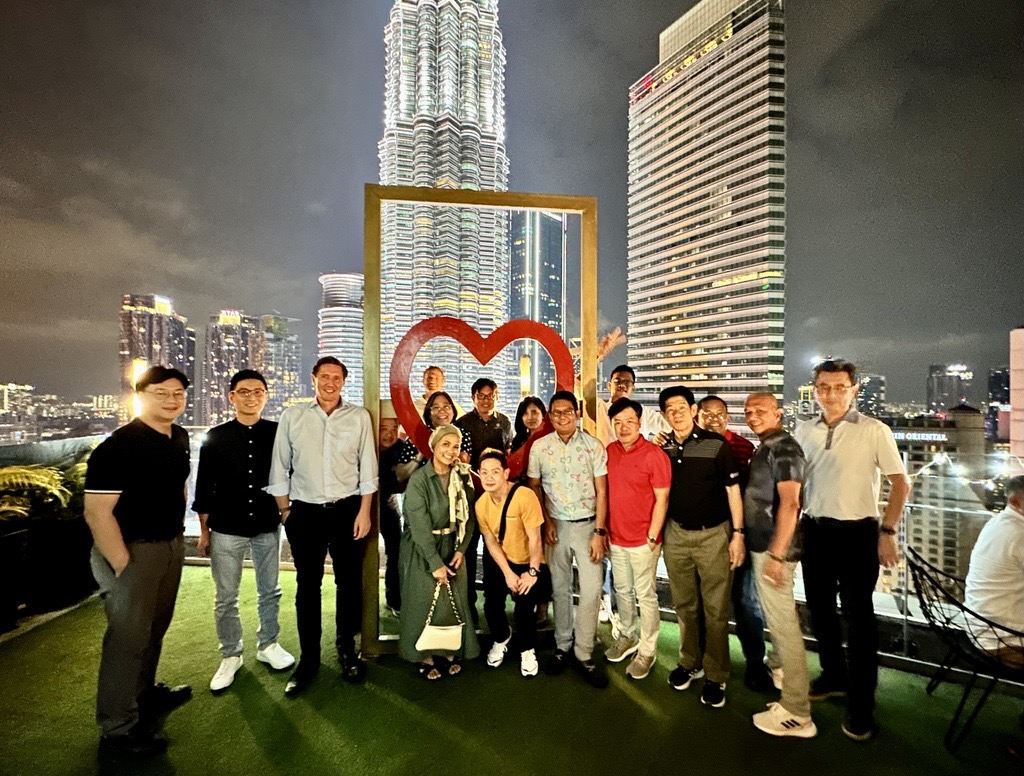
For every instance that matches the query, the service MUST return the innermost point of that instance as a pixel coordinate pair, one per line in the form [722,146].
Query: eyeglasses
[562,413]
[827,389]
[163,394]
[484,396]
[441,408]
[714,415]
[623,383]
[246,393]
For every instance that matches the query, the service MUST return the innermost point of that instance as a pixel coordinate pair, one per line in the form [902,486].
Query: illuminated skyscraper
[152,334]
[871,396]
[948,386]
[282,363]
[706,205]
[538,292]
[233,342]
[444,127]
[340,327]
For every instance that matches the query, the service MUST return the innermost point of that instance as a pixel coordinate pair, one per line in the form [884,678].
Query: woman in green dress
[439,523]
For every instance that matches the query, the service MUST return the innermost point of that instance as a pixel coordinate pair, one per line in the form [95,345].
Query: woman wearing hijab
[439,523]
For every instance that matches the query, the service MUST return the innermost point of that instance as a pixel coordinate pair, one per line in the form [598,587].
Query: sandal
[429,671]
[454,667]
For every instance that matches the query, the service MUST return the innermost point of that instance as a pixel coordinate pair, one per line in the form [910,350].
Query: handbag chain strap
[451,597]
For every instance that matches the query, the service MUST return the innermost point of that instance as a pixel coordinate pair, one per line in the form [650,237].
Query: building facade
[152,334]
[282,363]
[871,396]
[948,386]
[539,246]
[444,127]
[340,327]
[706,205]
[234,341]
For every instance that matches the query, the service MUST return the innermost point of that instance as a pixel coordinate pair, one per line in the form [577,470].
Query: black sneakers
[301,679]
[592,673]
[713,694]
[137,743]
[682,677]
[556,664]
[826,687]
[859,730]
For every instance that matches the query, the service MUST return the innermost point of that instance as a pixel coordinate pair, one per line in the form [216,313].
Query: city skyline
[217,157]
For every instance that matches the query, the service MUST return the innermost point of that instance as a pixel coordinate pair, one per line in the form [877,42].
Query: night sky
[216,153]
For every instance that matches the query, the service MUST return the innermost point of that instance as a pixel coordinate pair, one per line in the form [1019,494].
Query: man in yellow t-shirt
[517,550]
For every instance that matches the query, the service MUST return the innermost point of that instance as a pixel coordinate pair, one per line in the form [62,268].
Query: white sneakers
[496,654]
[776,721]
[528,663]
[276,656]
[225,673]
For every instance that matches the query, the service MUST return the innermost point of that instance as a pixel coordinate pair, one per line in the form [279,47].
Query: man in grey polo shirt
[844,540]
[568,471]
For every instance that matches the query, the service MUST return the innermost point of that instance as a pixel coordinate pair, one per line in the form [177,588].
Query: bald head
[763,413]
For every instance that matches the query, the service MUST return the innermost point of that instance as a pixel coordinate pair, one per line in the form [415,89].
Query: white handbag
[441,638]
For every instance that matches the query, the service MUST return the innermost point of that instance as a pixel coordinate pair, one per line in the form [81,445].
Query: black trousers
[391,532]
[841,556]
[314,530]
[139,605]
[524,613]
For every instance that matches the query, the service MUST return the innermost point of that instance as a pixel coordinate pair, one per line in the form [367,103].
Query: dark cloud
[215,152]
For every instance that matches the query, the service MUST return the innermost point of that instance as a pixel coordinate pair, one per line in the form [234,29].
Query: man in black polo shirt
[135,490]
[487,428]
[704,502]
[236,515]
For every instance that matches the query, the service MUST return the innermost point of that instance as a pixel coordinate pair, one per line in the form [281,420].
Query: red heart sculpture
[482,348]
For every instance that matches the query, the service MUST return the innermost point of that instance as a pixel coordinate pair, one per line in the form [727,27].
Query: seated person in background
[510,518]
[995,580]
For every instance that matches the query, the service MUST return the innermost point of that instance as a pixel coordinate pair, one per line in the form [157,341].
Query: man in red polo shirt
[639,478]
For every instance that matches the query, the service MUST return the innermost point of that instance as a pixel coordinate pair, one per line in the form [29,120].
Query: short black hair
[1015,486]
[432,367]
[624,368]
[246,374]
[625,403]
[160,374]
[563,395]
[836,365]
[675,390]
[430,400]
[712,397]
[497,455]
[481,383]
[325,360]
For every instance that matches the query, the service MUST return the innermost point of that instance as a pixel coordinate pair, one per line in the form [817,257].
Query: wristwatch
[652,539]
[887,530]
[600,531]
[532,571]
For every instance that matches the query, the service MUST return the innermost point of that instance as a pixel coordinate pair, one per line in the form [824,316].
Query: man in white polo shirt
[995,580]
[844,539]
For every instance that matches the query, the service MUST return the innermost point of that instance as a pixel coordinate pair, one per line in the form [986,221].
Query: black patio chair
[941,596]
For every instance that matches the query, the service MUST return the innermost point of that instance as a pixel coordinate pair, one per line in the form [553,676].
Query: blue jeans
[227,552]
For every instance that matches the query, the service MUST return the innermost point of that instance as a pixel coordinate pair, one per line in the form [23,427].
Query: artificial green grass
[483,722]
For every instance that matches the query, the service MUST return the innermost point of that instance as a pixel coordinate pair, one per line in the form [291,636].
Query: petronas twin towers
[444,127]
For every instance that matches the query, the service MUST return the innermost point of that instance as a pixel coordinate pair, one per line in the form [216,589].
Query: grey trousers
[574,541]
[788,651]
[139,606]
[698,574]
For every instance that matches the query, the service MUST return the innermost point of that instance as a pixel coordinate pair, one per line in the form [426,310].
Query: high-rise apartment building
[1017,399]
[871,396]
[706,207]
[282,363]
[444,127]
[151,334]
[948,386]
[539,245]
[233,342]
[998,404]
[340,327]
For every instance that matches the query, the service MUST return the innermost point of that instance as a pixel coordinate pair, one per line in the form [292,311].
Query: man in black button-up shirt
[236,515]
[703,543]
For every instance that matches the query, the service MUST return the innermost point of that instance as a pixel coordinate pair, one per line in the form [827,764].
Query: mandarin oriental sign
[919,436]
